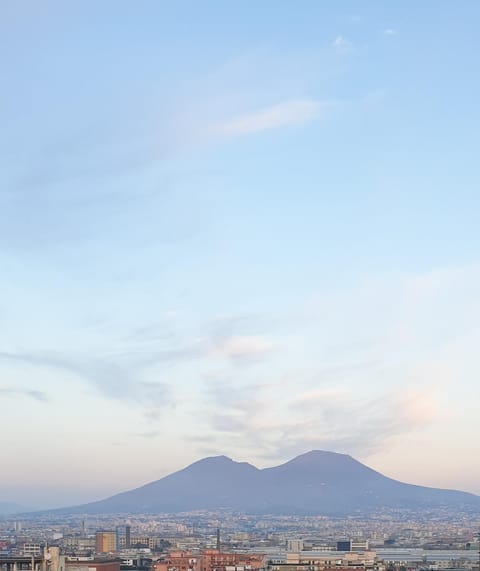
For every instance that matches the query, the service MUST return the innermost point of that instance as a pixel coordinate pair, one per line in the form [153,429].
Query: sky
[242,228]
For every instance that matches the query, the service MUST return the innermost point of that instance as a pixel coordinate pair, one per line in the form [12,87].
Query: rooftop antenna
[218,540]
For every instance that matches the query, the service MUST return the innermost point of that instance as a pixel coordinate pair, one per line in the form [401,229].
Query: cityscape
[228,541]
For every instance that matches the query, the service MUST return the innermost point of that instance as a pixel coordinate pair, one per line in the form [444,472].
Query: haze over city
[237,228]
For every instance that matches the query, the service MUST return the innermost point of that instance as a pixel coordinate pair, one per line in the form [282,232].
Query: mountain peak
[319,457]
[221,459]
[322,454]
[221,462]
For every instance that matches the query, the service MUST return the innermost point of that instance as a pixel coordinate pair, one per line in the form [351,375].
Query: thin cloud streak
[39,396]
[283,114]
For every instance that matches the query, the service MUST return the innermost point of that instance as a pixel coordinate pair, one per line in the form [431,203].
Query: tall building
[294,545]
[105,541]
[123,536]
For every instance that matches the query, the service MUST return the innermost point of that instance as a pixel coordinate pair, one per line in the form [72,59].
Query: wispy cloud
[342,45]
[117,378]
[241,348]
[34,394]
[390,32]
[279,115]
[331,419]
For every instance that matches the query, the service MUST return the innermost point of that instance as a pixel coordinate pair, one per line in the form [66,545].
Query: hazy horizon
[237,228]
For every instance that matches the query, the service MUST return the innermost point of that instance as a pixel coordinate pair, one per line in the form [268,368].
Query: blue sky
[237,228]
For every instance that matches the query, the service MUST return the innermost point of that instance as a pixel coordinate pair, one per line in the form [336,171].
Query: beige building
[105,541]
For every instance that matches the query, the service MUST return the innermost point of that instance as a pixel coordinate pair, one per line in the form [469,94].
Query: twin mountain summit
[317,482]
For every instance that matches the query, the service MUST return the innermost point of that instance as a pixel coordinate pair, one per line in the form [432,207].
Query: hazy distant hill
[7,508]
[314,483]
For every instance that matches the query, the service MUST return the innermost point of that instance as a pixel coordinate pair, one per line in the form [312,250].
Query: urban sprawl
[225,541]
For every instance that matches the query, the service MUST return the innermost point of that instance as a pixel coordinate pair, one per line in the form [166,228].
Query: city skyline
[241,229]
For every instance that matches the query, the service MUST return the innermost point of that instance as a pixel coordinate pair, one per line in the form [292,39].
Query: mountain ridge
[317,482]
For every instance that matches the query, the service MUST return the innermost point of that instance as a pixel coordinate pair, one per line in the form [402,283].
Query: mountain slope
[326,482]
[208,483]
[314,483]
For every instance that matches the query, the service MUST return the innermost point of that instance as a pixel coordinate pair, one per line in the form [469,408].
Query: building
[317,561]
[294,545]
[93,565]
[179,561]
[213,560]
[83,544]
[209,560]
[351,545]
[123,536]
[34,549]
[105,541]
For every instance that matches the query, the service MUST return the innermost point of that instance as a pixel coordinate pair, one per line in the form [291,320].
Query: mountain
[317,482]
